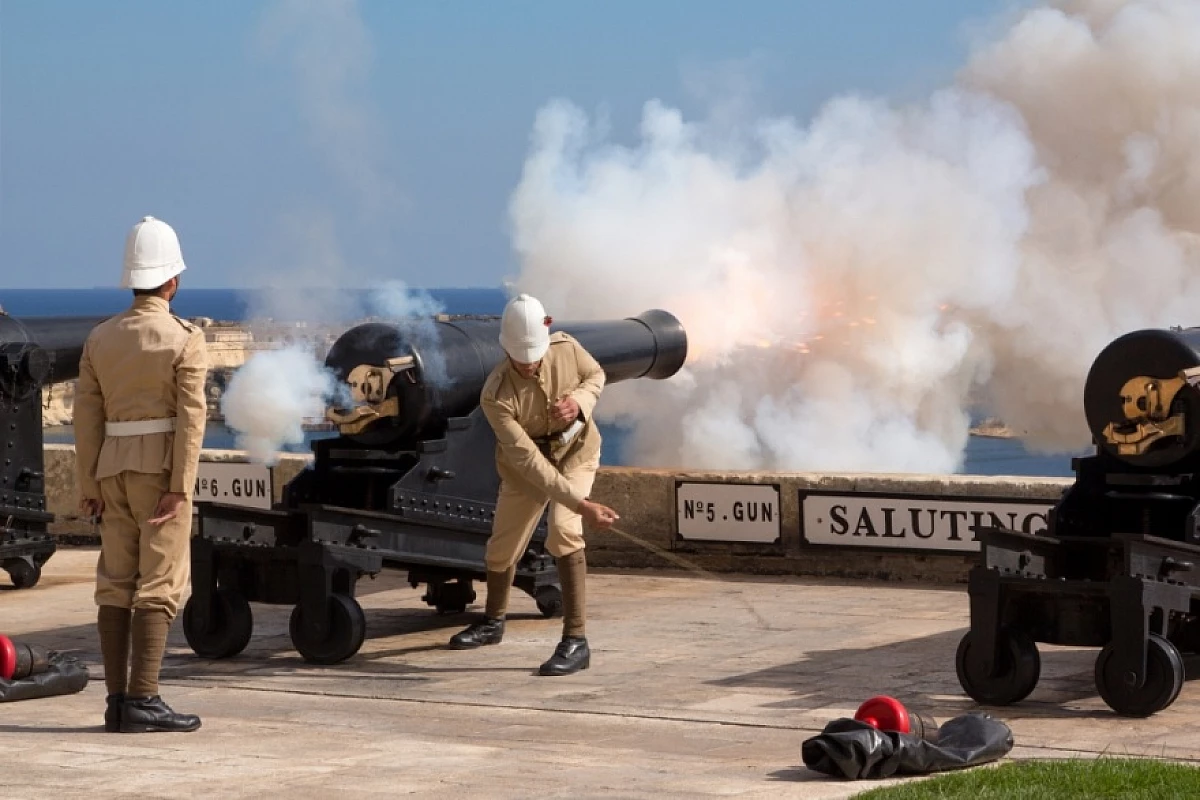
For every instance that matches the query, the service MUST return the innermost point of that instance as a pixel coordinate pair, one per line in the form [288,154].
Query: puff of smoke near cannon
[408,483]
[34,352]
[1116,566]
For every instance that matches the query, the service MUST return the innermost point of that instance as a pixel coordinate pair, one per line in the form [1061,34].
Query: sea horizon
[228,305]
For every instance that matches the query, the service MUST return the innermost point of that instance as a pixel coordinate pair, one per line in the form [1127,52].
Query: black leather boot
[151,714]
[490,631]
[112,713]
[571,655]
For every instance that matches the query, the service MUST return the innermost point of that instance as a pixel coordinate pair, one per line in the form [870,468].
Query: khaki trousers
[518,509]
[142,566]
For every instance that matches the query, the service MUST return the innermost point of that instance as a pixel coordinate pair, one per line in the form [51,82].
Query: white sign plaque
[913,522]
[728,512]
[234,484]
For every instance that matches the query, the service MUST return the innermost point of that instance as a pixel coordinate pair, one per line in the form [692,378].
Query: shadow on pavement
[844,677]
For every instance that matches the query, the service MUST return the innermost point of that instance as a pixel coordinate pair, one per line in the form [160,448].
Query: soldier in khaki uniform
[139,425]
[539,403]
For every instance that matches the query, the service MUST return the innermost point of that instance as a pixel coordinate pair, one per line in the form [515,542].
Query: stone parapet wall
[645,500]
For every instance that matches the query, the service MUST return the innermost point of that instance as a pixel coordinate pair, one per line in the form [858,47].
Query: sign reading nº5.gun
[234,484]
[918,522]
[727,512]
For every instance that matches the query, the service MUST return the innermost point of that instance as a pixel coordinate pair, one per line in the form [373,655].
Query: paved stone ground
[698,688]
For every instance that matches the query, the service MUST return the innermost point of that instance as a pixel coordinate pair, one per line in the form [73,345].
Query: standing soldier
[539,402]
[139,426]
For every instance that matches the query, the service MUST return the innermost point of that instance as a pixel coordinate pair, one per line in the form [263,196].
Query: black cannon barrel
[454,357]
[1158,354]
[38,350]
[650,345]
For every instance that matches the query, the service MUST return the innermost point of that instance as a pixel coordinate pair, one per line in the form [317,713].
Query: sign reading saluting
[913,521]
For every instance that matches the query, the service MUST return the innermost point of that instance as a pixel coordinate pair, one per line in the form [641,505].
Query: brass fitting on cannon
[1146,404]
[369,386]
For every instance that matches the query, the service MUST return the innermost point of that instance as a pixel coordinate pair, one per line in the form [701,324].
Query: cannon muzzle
[36,351]
[406,381]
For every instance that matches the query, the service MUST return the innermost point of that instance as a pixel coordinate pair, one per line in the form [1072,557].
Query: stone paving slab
[698,687]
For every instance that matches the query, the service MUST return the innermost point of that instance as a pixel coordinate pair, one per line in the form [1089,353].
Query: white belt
[139,427]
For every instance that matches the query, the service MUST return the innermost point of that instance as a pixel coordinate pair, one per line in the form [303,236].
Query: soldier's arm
[519,450]
[191,412]
[89,425]
[591,381]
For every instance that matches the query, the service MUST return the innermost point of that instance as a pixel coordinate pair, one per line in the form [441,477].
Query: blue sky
[199,113]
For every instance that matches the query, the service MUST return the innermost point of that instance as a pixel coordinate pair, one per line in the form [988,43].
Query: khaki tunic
[142,364]
[518,410]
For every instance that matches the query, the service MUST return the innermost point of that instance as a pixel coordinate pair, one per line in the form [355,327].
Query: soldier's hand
[597,515]
[91,507]
[168,507]
[565,410]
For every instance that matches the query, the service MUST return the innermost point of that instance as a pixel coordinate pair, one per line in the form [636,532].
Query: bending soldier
[139,426]
[539,402]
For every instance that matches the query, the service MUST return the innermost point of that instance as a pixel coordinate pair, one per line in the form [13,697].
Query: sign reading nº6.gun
[918,522]
[234,484]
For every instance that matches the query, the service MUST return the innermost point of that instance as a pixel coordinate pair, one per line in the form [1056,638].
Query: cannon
[1116,567]
[409,482]
[34,352]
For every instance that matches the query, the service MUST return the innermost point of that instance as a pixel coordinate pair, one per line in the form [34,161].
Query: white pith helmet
[152,255]
[525,329]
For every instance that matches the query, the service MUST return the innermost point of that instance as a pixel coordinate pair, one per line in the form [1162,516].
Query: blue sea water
[221,304]
[984,455]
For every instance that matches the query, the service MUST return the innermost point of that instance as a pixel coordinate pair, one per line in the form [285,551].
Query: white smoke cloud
[327,48]
[413,312]
[270,397]
[853,285]
[317,247]
[303,266]
[396,300]
[304,273]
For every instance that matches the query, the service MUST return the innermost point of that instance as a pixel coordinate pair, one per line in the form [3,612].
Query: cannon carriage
[1116,568]
[409,483]
[34,352]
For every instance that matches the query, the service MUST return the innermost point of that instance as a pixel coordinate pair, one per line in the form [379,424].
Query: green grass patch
[1073,779]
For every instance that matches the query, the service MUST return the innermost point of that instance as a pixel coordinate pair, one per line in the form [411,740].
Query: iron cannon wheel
[1164,679]
[1181,672]
[344,636]
[1019,667]
[230,624]
[24,573]
[549,601]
